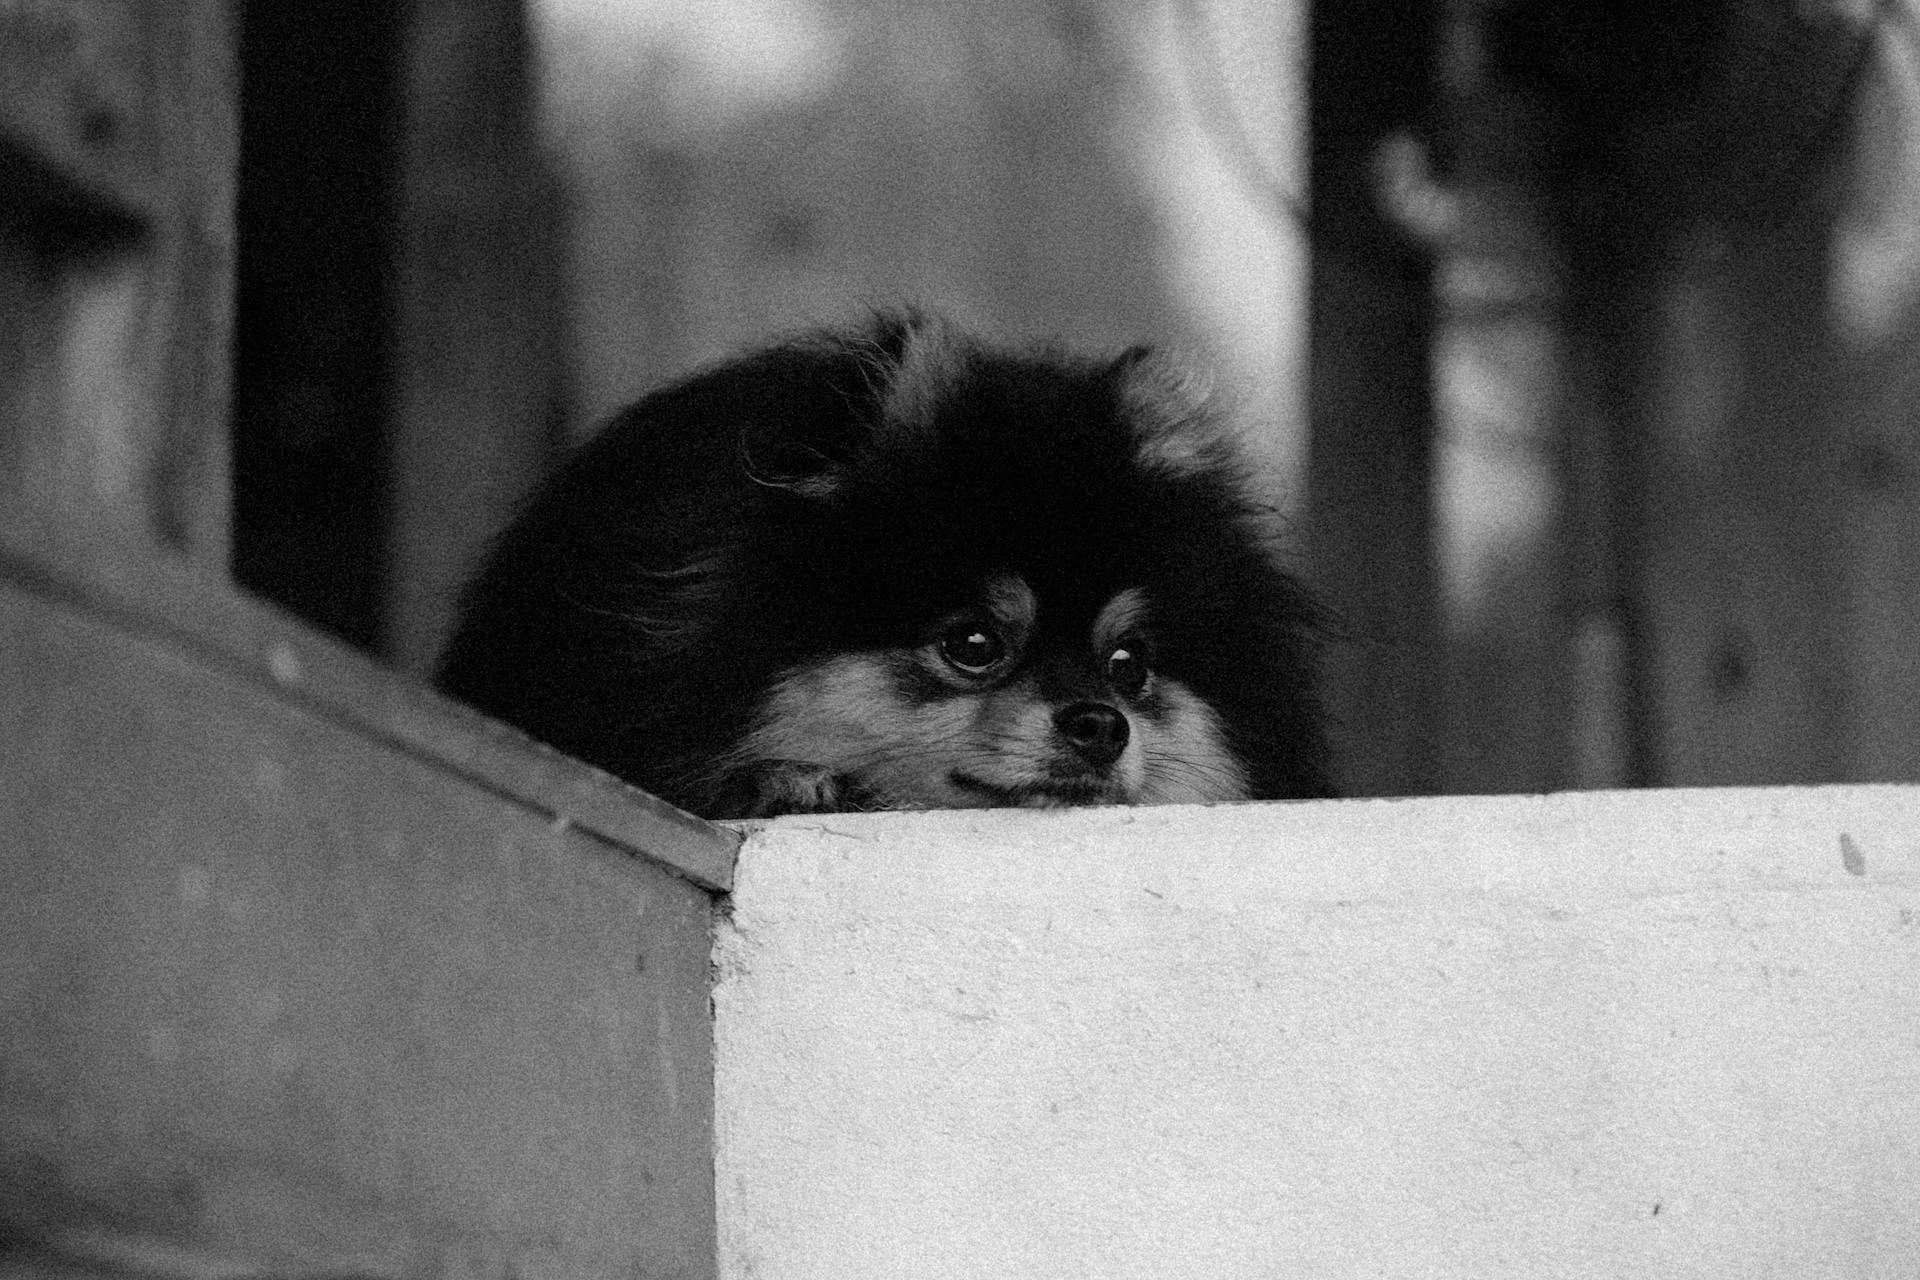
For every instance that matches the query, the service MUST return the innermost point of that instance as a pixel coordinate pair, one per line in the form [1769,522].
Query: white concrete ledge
[1651,1034]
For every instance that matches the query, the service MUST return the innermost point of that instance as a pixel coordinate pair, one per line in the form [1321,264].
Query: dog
[897,567]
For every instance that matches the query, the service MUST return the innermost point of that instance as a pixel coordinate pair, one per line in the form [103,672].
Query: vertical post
[312,401]
[1370,523]
[1876,319]
[1692,189]
[117,139]
[1611,311]
[1747,502]
[480,353]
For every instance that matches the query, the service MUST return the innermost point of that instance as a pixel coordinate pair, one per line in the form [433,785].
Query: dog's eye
[1127,667]
[972,646]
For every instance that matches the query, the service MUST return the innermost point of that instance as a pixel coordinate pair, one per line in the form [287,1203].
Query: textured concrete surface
[1668,1034]
[295,986]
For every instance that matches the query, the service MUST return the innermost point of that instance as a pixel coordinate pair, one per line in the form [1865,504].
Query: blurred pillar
[1370,517]
[116,256]
[312,397]
[481,353]
[1689,161]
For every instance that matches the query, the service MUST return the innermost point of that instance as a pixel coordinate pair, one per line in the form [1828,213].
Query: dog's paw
[791,786]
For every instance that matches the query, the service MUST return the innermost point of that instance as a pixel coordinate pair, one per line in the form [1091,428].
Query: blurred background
[1577,340]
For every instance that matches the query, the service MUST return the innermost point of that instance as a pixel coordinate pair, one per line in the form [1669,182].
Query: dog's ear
[803,456]
[929,362]
[838,393]
[1169,405]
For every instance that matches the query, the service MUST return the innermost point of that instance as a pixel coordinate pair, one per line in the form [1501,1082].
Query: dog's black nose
[1097,731]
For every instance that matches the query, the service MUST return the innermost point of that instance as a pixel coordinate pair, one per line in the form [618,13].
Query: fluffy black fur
[767,513]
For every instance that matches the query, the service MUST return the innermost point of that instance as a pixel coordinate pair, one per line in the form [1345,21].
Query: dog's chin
[1048,793]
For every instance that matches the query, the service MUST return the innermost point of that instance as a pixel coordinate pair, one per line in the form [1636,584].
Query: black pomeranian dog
[899,568]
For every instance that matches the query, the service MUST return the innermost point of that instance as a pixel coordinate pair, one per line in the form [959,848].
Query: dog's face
[1019,583]
[1000,703]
